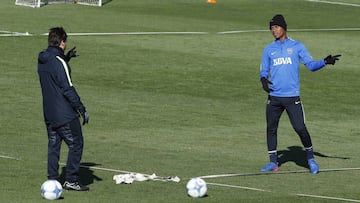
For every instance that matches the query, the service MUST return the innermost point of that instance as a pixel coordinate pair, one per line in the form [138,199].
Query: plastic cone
[211,1]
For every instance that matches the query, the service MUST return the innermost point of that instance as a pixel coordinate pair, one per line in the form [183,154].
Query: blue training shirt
[280,64]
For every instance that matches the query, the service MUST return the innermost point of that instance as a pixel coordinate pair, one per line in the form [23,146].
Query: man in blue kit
[279,76]
[62,107]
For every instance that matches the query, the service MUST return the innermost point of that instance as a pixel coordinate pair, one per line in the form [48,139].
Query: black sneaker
[75,186]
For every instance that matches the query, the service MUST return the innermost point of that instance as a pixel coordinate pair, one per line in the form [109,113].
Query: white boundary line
[327,197]
[103,169]
[231,174]
[276,173]
[240,187]
[204,33]
[335,2]
[133,33]
[298,194]
[9,157]
[8,33]
[242,31]
[251,174]
[240,174]
[5,31]
[14,34]
[328,29]
[292,30]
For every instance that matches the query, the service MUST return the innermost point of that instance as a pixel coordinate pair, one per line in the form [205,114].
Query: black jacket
[61,103]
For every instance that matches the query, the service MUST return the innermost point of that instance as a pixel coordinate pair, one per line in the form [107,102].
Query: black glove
[265,84]
[71,53]
[331,59]
[85,116]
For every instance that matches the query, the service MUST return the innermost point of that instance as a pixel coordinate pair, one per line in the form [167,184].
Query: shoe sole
[314,171]
[75,189]
[66,188]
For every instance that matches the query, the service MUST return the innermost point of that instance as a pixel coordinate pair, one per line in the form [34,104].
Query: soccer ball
[51,189]
[196,187]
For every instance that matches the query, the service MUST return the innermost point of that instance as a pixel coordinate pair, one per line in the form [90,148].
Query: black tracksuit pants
[71,134]
[274,109]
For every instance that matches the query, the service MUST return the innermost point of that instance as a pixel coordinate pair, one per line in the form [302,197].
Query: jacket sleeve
[265,65]
[68,90]
[308,61]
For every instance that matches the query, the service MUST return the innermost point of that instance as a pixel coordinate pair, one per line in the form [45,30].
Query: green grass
[185,105]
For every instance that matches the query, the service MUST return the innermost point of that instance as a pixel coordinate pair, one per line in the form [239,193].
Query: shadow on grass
[87,176]
[297,155]
[106,2]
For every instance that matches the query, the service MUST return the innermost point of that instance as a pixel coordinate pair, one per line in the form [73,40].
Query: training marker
[211,1]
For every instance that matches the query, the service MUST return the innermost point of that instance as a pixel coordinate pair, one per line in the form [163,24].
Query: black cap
[278,20]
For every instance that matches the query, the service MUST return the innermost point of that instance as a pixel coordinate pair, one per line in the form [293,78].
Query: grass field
[183,104]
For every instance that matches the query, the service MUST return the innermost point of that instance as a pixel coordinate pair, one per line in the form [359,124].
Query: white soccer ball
[51,189]
[196,187]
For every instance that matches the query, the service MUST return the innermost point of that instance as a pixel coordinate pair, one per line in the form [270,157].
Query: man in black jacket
[62,107]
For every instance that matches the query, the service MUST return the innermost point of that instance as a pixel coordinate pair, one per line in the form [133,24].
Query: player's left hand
[85,116]
[331,59]
[71,53]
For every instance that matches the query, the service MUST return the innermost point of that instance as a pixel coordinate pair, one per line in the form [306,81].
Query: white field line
[275,173]
[240,187]
[231,174]
[133,33]
[236,186]
[335,2]
[105,169]
[13,33]
[299,194]
[8,33]
[203,33]
[8,157]
[5,33]
[111,170]
[327,197]
[328,29]
[242,31]
[292,30]
[251,174]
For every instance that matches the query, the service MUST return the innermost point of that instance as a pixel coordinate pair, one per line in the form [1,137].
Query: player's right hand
[265,84]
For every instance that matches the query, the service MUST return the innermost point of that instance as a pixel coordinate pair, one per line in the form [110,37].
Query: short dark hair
[56,35]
